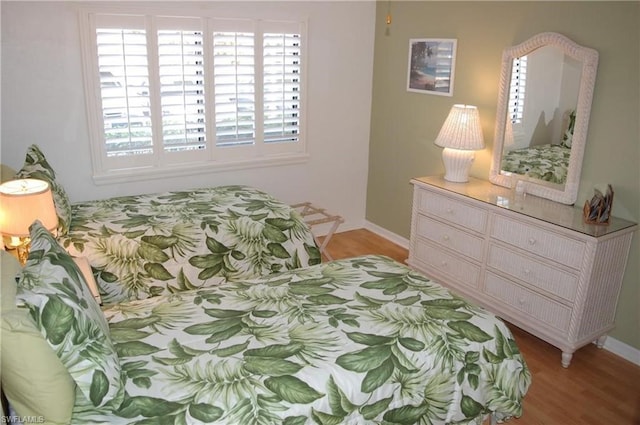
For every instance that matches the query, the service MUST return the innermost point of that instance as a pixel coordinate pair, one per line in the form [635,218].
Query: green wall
[405,124]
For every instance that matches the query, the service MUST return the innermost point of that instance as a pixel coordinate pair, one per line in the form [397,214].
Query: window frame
[213,158]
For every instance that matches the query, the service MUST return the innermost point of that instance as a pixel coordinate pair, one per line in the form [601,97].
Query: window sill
[187,169]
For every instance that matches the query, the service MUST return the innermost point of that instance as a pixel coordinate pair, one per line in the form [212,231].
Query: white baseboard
[381,231]
[623,350]
[613,345]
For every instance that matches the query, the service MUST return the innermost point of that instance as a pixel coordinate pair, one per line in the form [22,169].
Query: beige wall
[404,124]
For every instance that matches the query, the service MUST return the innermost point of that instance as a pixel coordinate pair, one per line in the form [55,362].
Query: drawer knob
[443,263]
[531,241]
[521,302]
[449,210]
[445,238]
[527,271]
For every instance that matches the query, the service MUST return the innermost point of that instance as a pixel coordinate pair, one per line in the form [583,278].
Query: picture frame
[432,63]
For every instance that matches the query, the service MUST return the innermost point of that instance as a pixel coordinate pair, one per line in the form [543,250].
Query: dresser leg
[600,341]
[566,358]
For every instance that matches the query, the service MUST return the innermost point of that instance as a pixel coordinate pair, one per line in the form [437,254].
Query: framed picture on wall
[432,63]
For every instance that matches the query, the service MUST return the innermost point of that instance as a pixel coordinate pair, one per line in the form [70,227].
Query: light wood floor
[598,388]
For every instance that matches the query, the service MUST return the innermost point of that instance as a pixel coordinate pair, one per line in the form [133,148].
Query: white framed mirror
[544,103]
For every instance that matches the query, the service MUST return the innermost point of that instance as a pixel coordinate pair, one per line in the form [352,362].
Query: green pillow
[34,380]
[69,318]
[36,167]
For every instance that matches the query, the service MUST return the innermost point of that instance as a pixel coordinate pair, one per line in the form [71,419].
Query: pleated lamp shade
[24,201]
[462,129]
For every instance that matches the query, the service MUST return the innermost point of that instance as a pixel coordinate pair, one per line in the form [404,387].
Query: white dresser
[531,261]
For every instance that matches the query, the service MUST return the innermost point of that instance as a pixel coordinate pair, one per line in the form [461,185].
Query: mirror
[544,103]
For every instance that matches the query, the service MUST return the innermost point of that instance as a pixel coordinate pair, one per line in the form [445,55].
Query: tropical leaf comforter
[545,162]
[148,245]
[359,341]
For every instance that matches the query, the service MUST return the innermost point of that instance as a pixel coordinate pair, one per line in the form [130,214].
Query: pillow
[36,167]
[69,318]
[34,379]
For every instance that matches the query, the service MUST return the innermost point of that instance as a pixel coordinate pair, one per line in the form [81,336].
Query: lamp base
[19,247]
[457,164]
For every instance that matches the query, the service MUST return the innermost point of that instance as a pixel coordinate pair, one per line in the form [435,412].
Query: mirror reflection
[543,94]
[544,103]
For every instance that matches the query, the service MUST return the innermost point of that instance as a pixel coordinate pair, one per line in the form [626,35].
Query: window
[174,94]
[517,90]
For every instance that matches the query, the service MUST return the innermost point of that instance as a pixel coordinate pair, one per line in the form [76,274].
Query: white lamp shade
[24,201]
[461,129]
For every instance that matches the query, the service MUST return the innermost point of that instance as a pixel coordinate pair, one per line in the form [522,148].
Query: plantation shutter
[281,83]
[517,90]
[235,89]
[182,87]
[124,81]
[193,90]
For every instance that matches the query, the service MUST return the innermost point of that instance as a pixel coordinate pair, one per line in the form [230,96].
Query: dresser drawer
[443,263]
[453,211]
[539,275]
[540,241]
[450,237]
[533,305]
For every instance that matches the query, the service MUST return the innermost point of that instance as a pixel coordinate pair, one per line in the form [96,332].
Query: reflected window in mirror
[517,90]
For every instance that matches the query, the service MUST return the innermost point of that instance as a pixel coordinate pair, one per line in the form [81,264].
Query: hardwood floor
[599,388]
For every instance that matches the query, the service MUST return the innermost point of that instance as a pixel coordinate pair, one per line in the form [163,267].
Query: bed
[154,244]
[544,162]
[356,341]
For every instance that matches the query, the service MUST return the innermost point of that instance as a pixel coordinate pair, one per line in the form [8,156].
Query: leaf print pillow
[67,315]
[36,167]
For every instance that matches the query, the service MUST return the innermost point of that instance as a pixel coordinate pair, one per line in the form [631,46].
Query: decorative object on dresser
[532,261]
[598,209]
[22,202]
[542,119]
[460,136]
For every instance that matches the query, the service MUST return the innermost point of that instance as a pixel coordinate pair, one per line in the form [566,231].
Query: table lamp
[22,202]
[460,136]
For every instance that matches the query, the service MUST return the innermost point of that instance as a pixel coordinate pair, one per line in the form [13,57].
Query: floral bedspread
[148,245]
[359,341]
[545,162]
